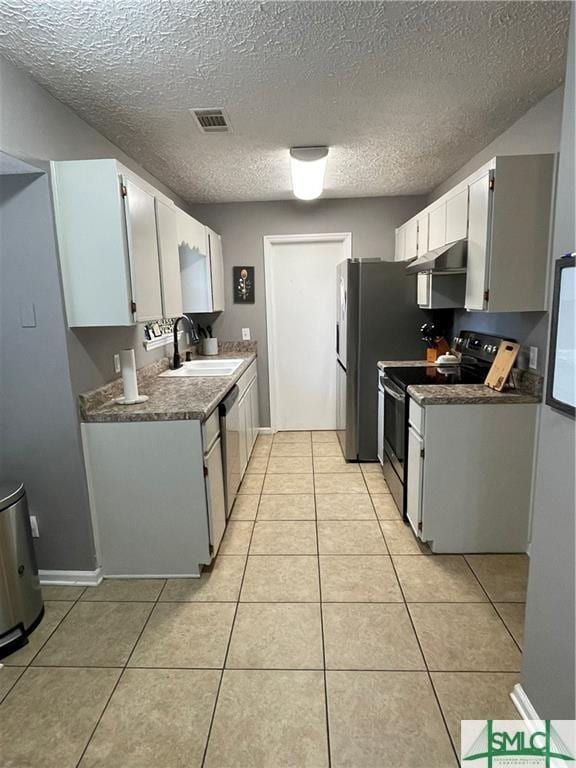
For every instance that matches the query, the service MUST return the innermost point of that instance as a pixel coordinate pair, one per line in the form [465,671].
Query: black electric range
[477,355]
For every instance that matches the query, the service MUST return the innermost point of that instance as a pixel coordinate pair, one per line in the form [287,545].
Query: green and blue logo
[536,743]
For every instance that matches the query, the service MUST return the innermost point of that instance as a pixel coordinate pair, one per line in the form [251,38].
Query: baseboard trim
[264,430]
[523,704]
[71,578]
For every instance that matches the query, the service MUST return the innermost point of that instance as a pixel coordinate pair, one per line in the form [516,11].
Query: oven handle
[396,395]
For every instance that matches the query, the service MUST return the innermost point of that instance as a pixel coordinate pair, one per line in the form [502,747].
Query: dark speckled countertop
[178,399]
[528,389]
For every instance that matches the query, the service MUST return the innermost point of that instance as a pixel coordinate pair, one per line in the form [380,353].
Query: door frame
[269,241]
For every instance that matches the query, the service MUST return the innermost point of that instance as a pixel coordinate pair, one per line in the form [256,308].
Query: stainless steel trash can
[21,604]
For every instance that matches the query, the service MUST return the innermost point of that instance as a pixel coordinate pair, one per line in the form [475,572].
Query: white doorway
[301,321]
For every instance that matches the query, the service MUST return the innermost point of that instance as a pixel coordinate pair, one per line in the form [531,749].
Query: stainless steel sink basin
[219,367]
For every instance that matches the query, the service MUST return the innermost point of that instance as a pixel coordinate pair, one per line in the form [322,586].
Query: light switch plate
[27,314]
[245,334]
[533,362]
[117,364]
[34,526]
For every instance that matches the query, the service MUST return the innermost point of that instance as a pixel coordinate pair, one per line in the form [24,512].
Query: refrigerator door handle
[337,338]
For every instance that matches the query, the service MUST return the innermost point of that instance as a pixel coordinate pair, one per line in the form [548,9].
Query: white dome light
[308,165]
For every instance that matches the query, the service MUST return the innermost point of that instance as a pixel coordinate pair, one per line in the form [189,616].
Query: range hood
[451,257]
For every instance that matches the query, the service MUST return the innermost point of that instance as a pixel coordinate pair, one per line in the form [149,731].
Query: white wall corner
[522,703]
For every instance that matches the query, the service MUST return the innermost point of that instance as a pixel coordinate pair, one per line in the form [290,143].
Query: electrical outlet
[34,526]
[245,334]
[117,364]
[533,363]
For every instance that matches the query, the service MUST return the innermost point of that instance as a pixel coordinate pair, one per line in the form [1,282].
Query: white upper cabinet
[411,244]
[457,216]
[400,247]
[437,226]
[201,266]
[422,234]
[167,231]
[477,262]
[143,252]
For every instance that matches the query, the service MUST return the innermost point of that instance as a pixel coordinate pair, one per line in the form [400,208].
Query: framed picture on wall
[243,285]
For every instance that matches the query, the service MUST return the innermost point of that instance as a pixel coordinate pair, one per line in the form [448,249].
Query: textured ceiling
[404,93]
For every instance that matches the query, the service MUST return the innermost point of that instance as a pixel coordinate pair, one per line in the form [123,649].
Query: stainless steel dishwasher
[230,434]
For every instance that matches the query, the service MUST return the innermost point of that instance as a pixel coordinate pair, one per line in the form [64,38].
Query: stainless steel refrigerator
[377,319]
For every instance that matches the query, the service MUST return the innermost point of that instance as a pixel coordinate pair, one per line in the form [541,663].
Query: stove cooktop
[447,374]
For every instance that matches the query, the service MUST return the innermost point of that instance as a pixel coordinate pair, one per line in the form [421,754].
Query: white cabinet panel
[411,239]
[399,252]
[216,270]
[423,234]
[423,288]
[244,418]
[415,475]
[478,233]
[215,495]
[457,216]
[143,251]
[254,410]
[166,225]
[437,226]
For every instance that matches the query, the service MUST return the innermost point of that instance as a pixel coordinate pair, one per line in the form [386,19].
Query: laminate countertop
[528,389]
[169,399]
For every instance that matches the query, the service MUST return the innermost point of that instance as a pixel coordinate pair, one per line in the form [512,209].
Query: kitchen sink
[220,367]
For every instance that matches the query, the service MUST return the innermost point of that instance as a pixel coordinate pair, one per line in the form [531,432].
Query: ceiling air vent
[212,120]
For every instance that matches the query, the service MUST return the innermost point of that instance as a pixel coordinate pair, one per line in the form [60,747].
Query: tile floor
[321,635]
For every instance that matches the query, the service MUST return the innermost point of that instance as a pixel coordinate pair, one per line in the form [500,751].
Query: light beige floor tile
[292,537]
[370,636]
[341,482]
[474,696]
[437,579]
[376,483]
[289,465]
[251,484]
[155,718]
[291,449]
[257,465]
[185,635]
[371,467]
[504,577]
[237,538]
[120,590]
[57,592]
[325,437]
[54,612]
[288,484]
[245,507]
[269,719]
[350,537]
[372,718]
[95,635]
[344,506]
[219,583]
[47,718]
[513,615]
[263,439]
[467,637]
[261,451]
[8,678]
[401,540]
[276,636]
[327,449]
[358,579]
[323,464]
[385,506]
[286,506]
[281,579]
[291,437]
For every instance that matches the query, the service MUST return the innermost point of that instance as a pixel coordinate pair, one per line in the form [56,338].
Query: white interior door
[301,313]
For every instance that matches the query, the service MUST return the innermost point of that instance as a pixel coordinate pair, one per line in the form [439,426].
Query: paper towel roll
[128,366]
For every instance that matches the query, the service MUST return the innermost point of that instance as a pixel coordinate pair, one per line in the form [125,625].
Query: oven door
[395,426]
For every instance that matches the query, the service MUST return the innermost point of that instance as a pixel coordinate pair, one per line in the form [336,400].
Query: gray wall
[536,132]
[548,674]
[33,124]
[40,439]
[242,225]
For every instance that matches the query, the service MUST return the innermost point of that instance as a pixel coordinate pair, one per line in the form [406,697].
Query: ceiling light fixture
[308,165]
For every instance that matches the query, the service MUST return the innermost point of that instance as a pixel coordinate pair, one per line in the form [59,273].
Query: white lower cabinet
[249,421]
[470,474]
[215,493]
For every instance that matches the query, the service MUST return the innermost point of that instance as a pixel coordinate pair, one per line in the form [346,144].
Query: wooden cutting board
[502,365]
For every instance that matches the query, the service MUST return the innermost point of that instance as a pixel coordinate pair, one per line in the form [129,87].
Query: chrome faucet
[194,339]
